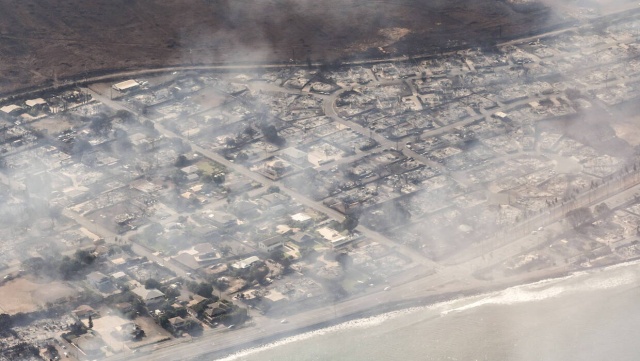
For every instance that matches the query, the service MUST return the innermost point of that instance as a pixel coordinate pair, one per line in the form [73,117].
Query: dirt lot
[53,125]
[24,295]
[625,123]
[43,41]
[153,333]
[106,327]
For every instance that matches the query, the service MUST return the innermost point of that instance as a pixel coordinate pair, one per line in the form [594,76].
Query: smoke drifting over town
[47,42]
[182,179]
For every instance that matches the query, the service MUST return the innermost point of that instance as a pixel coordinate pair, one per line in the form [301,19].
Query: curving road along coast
[413,289]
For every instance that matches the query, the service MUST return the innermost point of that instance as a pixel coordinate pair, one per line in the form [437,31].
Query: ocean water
[591,315]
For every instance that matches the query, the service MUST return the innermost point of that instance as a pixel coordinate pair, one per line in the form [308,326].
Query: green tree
[219,178]
[5,322]
[139,334]
[250,132]
[258,273]
[163,321]
[77,328]
[171,292]
[181,161]
[579,216]
[55,212]
[230,142]
[271,134]
[225,250]
[203,289]
[602,209]
[69,267]
[85,256]
[193,326]
[350,223]
[125,115]
[100,124]
[152,284]
[242,157]
[182,312]
[34,264]
[221,283]
[281,258]
[199,308]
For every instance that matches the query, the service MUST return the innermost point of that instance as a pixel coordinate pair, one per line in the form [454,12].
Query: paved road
[410,290]
[223,339]
[110,236]
[405,292]
[416,257]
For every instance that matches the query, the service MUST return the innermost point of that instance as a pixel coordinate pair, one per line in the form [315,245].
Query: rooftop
[246,263]
[148,294]
[34,102]
[331,234]
[126,85]
[97,277]
[9,108]
[301,217]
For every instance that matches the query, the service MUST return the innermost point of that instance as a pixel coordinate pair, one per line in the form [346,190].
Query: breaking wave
[348,325]
[580,281]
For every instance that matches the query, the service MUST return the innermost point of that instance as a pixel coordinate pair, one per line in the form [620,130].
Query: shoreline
[429,290]
[390,307]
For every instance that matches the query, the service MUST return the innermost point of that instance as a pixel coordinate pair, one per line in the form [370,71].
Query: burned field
[48,42]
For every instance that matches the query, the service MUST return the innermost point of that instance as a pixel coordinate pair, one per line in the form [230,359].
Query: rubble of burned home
[170,204]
